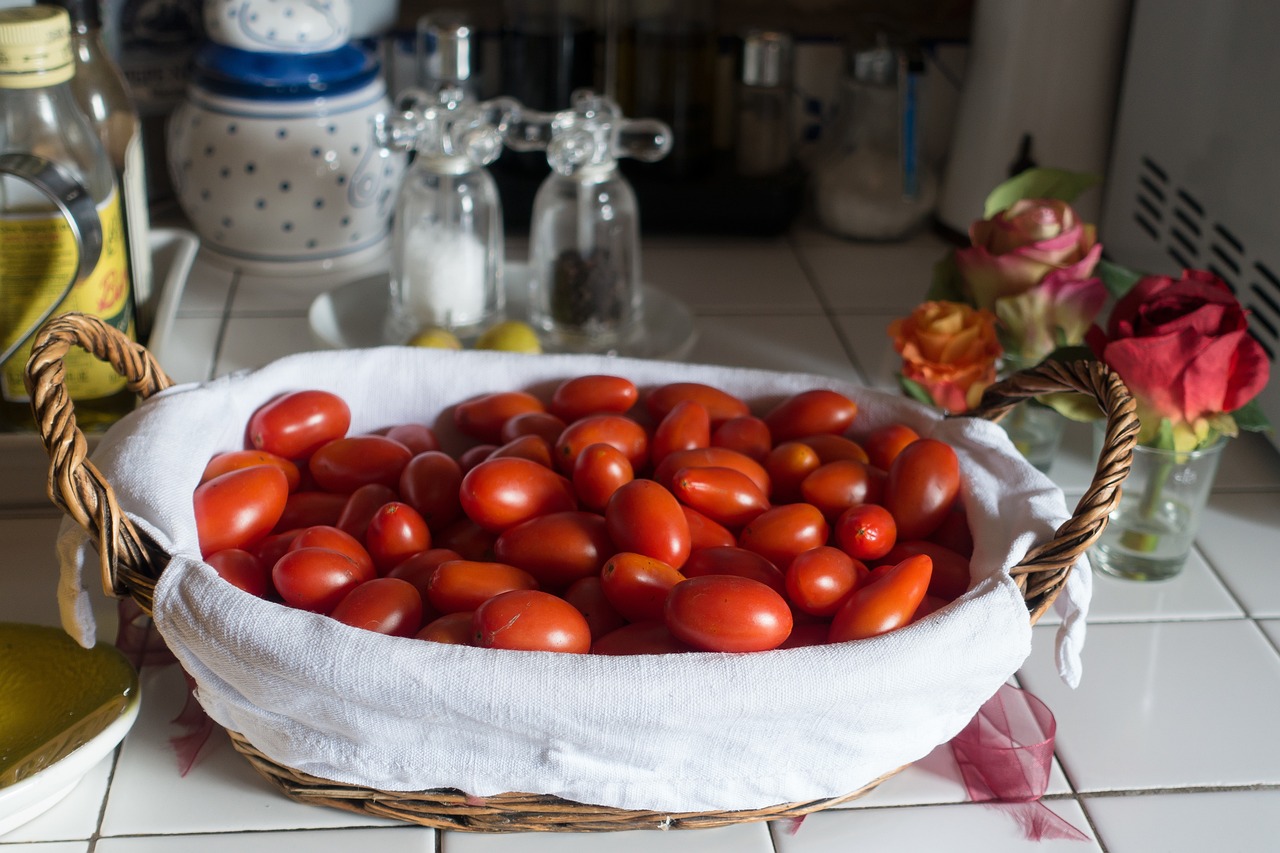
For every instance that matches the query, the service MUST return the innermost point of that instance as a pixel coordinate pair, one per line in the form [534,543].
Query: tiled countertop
[1169,743]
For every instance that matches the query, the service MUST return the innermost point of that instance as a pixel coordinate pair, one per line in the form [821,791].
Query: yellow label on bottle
[38,256]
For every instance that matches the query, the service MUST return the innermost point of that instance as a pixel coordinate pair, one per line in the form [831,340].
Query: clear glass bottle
[39,256]
[762,131]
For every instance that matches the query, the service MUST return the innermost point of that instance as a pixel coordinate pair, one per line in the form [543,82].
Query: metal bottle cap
[445,48]
[766,58]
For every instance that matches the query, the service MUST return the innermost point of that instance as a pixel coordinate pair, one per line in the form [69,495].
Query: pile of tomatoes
[599,520]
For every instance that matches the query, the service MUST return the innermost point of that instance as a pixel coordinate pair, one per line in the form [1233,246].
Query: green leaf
[1117,279]
[1164,437]
[1250,417]
[1072,405]
[1038,183]
[916,391]
[947,285]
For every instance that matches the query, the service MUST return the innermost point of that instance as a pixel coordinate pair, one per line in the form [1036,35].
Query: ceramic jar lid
[279,26]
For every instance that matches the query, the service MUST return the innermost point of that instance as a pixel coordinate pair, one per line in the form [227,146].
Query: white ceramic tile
[187,356]
[207,292]
[737,838]
[805,344]
[749,278]
[54,847]
[965,828]
[1165,705]
[75,817]
[255,341]
[868,339]
[220,793]
[874,277]
[389,840]
[1240,537]
[1239,821]
[1271,627]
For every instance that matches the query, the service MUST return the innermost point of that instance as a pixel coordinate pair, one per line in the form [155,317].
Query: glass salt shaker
[585,292]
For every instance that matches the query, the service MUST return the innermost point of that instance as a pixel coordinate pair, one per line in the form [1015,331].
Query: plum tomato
[557,548]
[836,486]
[296,424]
[336,539]
[640,638]
[429,483]
[707,457]
[950,578]
[922,486]
[501,493]
[725,495]
[746,434]
[720,405]
[781,533]
[466,584]
[383,605]
[308,508]
[594,394]
[812,412]
[866,532]
[419,438]
[532,447]
[543,424]
[418,568]
[466,537]
[242,569]
[884,443]
[727,613]
[954,531]
[884,605]
[787,465]
[819,580]
[395,533]
[587,594]
[452,629]
[272,547]
[473,456]
[807,634]
[686,427]
[316,579]
[483,416]
[232,460]
[618,431]
[360,507]
[704,532]
[345,464]
[531,620]
[832,448]
[637,585]
[599,472]
[239,507]
[732,560]
[644,517]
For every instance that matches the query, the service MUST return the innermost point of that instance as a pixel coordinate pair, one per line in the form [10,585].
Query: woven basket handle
[75,485]
[1043,571]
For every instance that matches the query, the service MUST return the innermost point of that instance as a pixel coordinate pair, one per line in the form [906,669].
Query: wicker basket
[131,565]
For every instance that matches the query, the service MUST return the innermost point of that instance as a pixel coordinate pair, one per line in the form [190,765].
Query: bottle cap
[766,58]
[35,47]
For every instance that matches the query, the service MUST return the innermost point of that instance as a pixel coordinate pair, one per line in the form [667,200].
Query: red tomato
[836,486]
[395,533]
[832,448]
[316,579]
[501,493]
[482,417]
[307,509]
[335,539]
[592,395]
[886,604]
[807,634]
[732,560]
[360,507]
[722,494]
[238,508]
[883,444]
[542,424]
[727,613]
[557,548]
[418,568]
[644,517]
[954,532]
[531,620]
[746,434]
[866,531]
[686,427]
[345,464]
[598,472]
[640,638]
[452,628]
[419,438]
[473,456]
[616,430]
[720,405]
[811,413]
[922,485]
[272,548]
[705,533]
[233,460]
[709,457]
[929,604]
[787,465]
[950,578]
[781,533]
[429,483]
[294,425]
[466,537]
[637,585]
[587,594]
[466,584]
[242,569]
[819,580]
[383,605]
[532,447]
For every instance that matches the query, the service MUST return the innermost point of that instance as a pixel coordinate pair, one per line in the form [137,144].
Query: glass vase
[1034,428]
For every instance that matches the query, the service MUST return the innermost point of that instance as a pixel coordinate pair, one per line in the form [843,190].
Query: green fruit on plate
[510,336]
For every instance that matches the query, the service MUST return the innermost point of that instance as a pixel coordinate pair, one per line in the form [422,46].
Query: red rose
[1183,347]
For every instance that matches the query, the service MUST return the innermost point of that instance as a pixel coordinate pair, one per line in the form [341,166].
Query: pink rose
[1057,312]
[1017,248]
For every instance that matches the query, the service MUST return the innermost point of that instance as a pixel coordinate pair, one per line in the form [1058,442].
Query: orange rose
[950,350]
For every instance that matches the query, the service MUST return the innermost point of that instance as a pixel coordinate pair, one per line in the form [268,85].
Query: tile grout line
[828,311]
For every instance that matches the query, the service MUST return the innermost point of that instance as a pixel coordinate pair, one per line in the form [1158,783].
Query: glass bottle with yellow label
[39,247]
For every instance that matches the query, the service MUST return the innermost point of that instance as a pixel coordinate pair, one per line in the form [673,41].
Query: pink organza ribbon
[1005,754]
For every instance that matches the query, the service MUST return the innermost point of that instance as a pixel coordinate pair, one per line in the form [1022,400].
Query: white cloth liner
[691,732]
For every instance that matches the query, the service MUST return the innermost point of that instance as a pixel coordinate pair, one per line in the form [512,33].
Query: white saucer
[354,316]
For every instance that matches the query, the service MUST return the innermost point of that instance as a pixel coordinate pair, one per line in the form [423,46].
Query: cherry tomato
[746,434]
[599,472]
[885,605]
[345,464]
[720,405]
[418,568]
[592,395]
[308,508]
[466,584]
[395,533]
[883,444]
[543,424]
[235,459]
[727,613]
[705,533]
[532,447]
[452,628]
[781,533]
[819,580]
[242,569]
[335,539]
[466,537]
[950,578]
[531,620]
[316,579]
[922,485]
[832,448]
[640,638]
[294,425]
[587,594]
[557,548]
[482,417]
[686,427]
[836,486]
[637,585]
[616,430]
[811,412]
[644,517]
[383,605]
[429,483]
[419,438]
[707,457]
[501,493]
[360,507]
[722,494]
[239,507]
[732,560]
[866,532]
[787,465]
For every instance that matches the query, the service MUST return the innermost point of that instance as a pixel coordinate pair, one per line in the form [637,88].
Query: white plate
[354,316]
